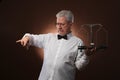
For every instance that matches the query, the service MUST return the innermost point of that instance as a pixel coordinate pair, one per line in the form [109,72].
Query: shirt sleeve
[81,60]
[36,40]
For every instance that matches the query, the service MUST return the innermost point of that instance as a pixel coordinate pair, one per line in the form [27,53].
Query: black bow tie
[64,37]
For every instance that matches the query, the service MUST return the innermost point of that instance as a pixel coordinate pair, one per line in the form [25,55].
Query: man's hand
[23,41]
[90,52]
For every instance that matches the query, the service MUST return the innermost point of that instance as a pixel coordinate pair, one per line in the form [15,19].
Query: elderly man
[61,54]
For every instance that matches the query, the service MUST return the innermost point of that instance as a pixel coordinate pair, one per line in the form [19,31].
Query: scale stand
[92,47]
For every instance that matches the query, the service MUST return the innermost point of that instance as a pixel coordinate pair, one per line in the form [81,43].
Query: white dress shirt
[61,57]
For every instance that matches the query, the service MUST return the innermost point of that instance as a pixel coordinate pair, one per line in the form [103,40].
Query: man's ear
[71,24]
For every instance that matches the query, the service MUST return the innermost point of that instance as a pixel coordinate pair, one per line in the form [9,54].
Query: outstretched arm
[33,40]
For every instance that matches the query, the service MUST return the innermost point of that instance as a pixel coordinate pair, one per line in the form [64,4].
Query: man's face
[63,26]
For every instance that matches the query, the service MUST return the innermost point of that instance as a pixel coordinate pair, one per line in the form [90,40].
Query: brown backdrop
[18,17]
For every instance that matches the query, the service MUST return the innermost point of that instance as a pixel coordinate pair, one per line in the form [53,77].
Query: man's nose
[59,26]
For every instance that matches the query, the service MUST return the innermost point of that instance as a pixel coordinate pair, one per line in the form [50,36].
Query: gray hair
[66,13]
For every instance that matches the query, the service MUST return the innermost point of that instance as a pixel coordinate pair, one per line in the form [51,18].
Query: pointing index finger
[18,41]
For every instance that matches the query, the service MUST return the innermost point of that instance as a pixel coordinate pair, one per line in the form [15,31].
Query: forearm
[81,61]
[35,40]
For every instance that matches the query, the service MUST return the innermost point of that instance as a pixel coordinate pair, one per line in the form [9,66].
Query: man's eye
[62,24]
